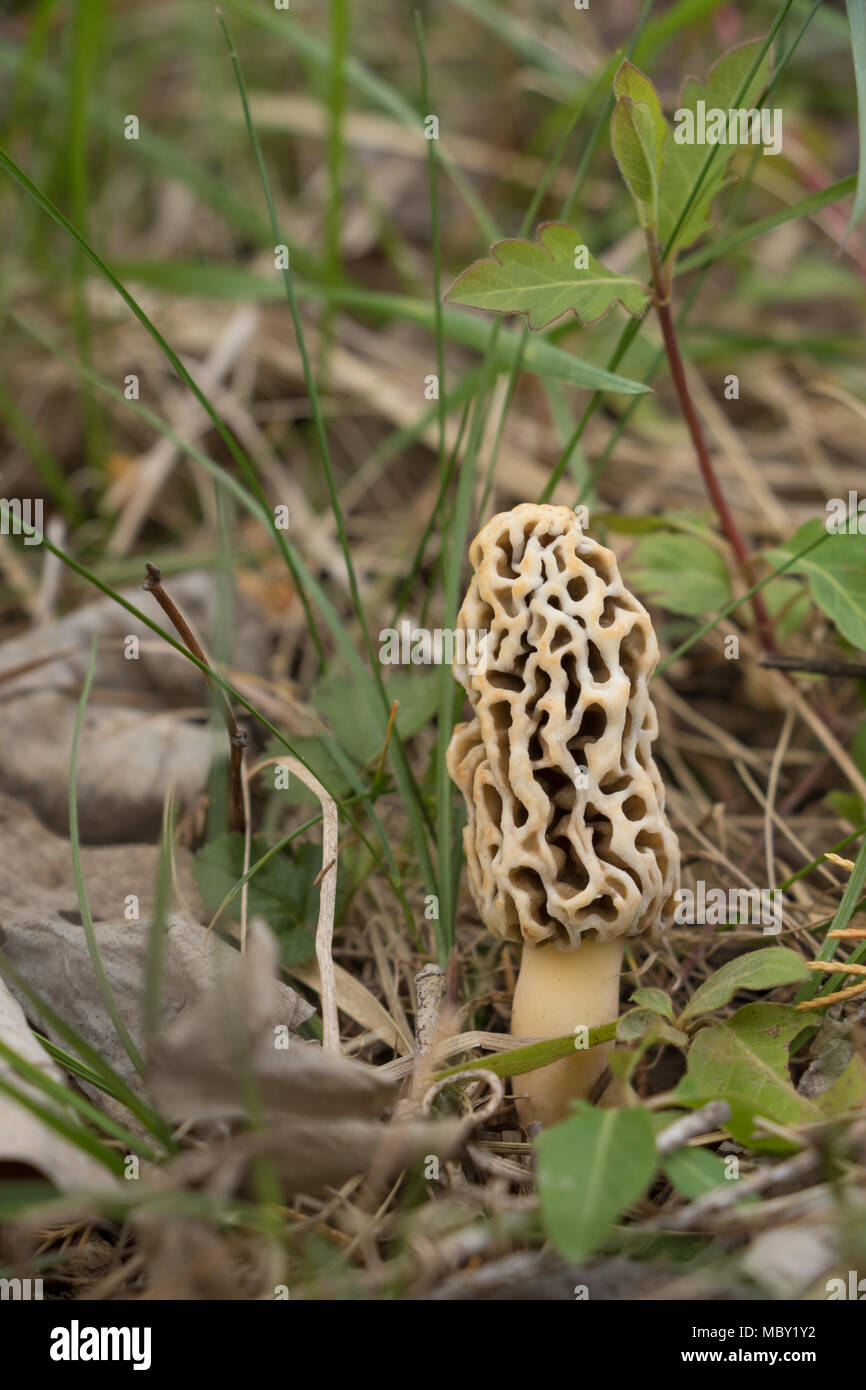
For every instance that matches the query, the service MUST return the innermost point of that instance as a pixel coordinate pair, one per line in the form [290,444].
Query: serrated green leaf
[763,969]
[682,573]
[683,162]
[637,133]
[744,1060]
[540,279]
[655,999]
[836,571]
[590,1168]
[694,1172]
[357,722]
[283,891]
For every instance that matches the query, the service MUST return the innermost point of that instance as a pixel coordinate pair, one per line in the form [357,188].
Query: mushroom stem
[558,992]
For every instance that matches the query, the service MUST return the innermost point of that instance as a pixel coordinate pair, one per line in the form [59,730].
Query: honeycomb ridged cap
[566,832]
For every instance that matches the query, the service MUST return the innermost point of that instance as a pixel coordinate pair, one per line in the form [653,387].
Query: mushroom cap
[566,831]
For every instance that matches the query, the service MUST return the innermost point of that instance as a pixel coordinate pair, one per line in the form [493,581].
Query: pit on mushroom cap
[567,844]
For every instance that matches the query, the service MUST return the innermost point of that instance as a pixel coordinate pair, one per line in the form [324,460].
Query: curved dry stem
[327,881]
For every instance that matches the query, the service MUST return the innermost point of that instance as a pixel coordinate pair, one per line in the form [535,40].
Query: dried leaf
[25,1139]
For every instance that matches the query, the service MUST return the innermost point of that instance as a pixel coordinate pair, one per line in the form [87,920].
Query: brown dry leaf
[52,957]
[36,878]
[322,1111]
[205,1060]
[135,742]
[25,1140]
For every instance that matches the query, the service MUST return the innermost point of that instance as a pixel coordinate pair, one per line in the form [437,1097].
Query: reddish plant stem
[662,305]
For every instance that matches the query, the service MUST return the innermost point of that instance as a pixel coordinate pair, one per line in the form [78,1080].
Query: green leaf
[356,722]
[788,604]
[764,969]
[682,573]
[848,1091]
[283,891]
[694,1172]
[655,999]
[846,805]
[540,279]
[683,162]
[837,576]
[857,25]
[637,135]
[744,1060]
[590,1168]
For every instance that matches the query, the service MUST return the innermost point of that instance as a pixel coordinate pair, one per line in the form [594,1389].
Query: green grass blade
[112,1082]
[406,782]
[45,203]
[540,355]
[856,12]
[804,207]
[64,1095]
[433,187]
[735,604]
[781,14]
[67,1128]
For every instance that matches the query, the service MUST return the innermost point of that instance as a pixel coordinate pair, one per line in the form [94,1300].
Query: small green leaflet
[637,134]
[683,573]
[764,969]
[546,279]
[655,999]
[684,162]
[836,571]
[590,1169]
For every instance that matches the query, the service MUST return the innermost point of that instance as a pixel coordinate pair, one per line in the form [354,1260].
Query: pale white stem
[562,992]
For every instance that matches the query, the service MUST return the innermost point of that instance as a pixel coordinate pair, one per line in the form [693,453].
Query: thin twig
[814,665]
[327,896]
[710,1117]
[237,737]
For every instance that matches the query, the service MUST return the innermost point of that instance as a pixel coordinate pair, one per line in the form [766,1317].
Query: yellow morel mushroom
[567,845]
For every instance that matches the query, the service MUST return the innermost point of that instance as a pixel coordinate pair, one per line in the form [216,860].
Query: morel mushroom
[567,845]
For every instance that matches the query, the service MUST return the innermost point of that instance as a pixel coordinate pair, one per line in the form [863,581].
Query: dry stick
[800,1168]
[786,689]
[848,934]
[327,896]
[710,1117]
[814,665]
[772,787]
[237,737]
[431,987]
[662,305]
